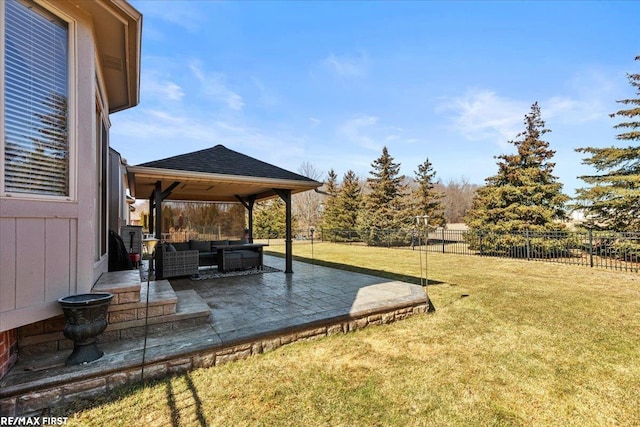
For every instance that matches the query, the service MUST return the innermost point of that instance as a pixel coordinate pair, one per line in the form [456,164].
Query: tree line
[341,204]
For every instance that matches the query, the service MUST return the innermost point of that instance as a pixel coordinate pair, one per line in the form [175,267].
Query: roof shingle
[221,160]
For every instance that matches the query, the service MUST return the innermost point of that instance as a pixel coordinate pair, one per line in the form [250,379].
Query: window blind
[36,149]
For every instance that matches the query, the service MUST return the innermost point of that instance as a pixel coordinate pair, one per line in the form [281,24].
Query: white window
[36,149]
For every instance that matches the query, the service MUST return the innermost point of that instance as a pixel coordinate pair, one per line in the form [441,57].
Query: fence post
[388,238]
[480,238]
[590,248]
[528,245]
[442,239]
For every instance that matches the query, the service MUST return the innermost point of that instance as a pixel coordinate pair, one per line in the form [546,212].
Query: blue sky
[331,83]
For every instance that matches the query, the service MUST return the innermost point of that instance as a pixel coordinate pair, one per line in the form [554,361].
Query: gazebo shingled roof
[216,174]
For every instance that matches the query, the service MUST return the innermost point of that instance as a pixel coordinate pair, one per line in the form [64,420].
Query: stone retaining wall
[37,401]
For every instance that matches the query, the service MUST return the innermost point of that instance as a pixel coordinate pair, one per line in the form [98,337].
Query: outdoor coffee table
[230,256]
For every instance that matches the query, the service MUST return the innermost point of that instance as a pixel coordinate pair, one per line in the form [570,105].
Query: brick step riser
[60,343]
[123,324]
[51,329]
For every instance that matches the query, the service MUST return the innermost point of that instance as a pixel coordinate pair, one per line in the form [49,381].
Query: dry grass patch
[531,344]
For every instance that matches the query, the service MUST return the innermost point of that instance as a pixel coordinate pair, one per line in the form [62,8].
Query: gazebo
[216,174]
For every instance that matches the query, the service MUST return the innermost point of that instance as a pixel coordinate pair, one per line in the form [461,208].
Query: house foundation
[8,350]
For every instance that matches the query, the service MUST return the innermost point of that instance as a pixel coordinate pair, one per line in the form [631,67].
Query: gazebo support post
[285,195]
[157,197]
[155,203]
[152,201]
[248,204]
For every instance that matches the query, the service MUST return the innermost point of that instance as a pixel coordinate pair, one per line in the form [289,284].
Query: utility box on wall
[133,242]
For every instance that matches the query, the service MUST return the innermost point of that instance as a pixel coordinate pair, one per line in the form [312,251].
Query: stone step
[162,302]
[168,310]
[191,310]
[124,285]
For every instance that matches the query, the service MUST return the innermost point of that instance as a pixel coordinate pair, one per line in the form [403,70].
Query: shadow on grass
[370,271]
[172,399]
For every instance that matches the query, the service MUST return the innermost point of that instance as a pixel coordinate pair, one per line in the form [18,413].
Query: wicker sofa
[172,263]
[207,255]
[232,259]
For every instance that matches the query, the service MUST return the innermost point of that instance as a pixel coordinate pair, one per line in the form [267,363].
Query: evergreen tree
[524,195]
[330,211]
[613,199]
[269,219]
[348,201]
[426,200]
[384,205]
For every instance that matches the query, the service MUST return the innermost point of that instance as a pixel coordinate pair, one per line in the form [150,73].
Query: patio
[249,315]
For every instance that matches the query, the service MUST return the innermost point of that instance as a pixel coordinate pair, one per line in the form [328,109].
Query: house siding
[47,246]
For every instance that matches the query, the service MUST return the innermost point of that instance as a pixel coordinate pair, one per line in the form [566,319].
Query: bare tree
[458,196]
[306,205]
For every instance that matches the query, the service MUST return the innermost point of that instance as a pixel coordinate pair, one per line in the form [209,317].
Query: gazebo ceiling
[215,174]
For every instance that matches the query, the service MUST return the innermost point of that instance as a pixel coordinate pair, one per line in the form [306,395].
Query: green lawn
[510,343]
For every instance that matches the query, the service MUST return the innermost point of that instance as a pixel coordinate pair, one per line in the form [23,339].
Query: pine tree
[385,205]
[349,201]
[269,219]
[330,212]
[613,199]
[426,200]
[524,195]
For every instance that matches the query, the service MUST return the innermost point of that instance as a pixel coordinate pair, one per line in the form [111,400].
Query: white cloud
[481,115]
[368,132]
[314,122]
[347,66]
[151,134]
[355,130]
[572,110]
[156,87]
[593,93]
[183,14]
[214,85]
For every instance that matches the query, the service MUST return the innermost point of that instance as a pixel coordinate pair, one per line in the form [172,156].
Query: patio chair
[175,263]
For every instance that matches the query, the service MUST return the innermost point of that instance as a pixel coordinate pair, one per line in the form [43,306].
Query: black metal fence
[603,249]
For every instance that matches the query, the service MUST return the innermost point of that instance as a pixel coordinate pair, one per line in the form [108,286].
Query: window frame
[102,177]
[71,105]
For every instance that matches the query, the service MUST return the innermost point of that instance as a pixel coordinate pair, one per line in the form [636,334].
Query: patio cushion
[170,248]
[200,245]
[207,258]
[219,243]
[181,246]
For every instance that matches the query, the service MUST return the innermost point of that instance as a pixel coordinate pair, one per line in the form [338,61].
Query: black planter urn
[86,316]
